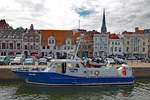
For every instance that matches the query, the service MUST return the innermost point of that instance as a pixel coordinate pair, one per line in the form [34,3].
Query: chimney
[136,29]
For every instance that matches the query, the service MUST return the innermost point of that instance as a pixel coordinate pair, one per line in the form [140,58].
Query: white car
[110,60]
[17,61]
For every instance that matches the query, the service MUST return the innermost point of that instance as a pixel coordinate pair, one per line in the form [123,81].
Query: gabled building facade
[86,45]
[147,33]
[101,40]
[31,42]
[11,42]
[58,43]
[135,43]
[115,45]
[3,25]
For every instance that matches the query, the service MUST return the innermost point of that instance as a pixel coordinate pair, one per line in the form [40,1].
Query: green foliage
[20,28]
[10,27]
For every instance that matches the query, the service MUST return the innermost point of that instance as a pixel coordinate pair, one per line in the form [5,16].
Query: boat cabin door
[64,67]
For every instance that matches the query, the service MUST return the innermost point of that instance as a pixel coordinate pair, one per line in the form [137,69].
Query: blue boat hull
[61,79]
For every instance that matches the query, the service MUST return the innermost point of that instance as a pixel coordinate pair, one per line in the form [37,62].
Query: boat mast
[78,44]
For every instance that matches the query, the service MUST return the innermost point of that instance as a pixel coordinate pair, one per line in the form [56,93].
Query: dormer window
[51,40]
[37,39]
[31,39]
[68,41]
[26,39]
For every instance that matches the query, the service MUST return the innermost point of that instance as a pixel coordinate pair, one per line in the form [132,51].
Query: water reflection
[73,93]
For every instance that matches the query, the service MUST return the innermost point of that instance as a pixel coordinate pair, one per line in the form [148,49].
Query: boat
[64,72]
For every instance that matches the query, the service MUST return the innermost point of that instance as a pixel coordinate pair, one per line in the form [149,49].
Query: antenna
[79,23]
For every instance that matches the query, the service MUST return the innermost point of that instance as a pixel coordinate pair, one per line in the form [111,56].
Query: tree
[10,27]
[20,28]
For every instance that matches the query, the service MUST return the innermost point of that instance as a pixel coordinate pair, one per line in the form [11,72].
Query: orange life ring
[96,72]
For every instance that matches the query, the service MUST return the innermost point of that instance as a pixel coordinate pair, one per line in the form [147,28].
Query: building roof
[11,34]
[59,35]
[141,31]
[113,36]
[125,32]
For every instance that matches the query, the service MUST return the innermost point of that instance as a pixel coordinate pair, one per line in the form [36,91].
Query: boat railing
[26,68]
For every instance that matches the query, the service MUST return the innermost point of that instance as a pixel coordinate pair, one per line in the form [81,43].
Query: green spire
[103,28]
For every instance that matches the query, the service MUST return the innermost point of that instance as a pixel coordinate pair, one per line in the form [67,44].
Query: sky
[121,15]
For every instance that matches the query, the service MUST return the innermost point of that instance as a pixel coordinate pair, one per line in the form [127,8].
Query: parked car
[21,56]
[42,61]
[122,57]
[4,60]
[49,58]
[132,58]
[29,61]
[110,60]
[17,61]
[119,61]
[147,60]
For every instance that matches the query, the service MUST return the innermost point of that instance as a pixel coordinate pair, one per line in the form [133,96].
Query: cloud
[65,14]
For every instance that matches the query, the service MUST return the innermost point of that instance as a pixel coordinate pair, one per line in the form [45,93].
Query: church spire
[103,28]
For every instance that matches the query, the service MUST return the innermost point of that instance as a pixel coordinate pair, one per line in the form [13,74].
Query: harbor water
[22,91]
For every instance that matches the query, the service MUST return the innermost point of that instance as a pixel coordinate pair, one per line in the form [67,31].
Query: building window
[37,40]
[43,47]
[31,46]
[47,47]
[52,41]
[95,53]
[18,46]
[89,46]
[143,43]
[68,42]
[119,49]
[143,49]
[11,46]
[128,42]
[25,39]
[115,43]
[112,43]
[49,41]
[68,47]
[25,47]
[115,49]
[37,47]
[64,47]
[111,49]
[31,39]
[118,43]
[3,45]
[127,49]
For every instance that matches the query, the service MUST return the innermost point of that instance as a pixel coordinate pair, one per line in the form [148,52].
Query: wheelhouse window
[73,65]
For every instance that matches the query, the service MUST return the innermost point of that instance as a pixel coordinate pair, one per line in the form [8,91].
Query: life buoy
[96,72]
[38,70]
[124,72]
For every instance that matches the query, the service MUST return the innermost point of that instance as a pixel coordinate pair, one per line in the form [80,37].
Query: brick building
[58,43]
[11,42]
[31,42]
[3,24]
